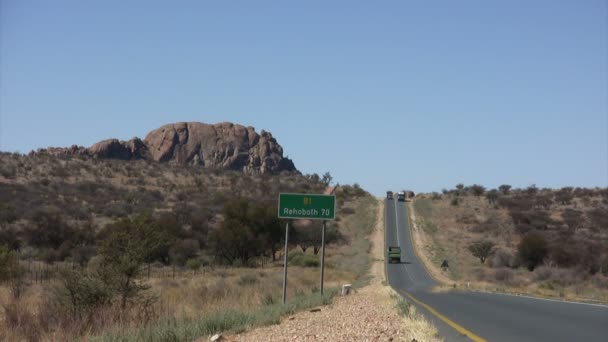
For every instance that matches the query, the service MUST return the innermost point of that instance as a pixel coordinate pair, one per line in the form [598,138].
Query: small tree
[327,178]
[478,190]
[481,249]
[532,250]
[129,244]
[492,196]
[459,188]
[504,189]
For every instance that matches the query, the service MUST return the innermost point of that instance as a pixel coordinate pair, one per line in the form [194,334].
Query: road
[478,316]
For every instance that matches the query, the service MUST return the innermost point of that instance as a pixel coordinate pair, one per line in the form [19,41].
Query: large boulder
[224,145]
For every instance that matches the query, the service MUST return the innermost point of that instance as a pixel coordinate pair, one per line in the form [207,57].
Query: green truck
[394,254]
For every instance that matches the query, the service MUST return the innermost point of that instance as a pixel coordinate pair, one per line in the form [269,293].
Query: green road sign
[307,206]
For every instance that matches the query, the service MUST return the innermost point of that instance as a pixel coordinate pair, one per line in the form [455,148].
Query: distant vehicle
[389,195]
[394,254]
[401,196]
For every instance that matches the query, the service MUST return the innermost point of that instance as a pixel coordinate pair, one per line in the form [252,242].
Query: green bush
[532,250]
[304,260]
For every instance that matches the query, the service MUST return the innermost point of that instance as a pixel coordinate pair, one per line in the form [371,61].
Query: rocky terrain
[222,146]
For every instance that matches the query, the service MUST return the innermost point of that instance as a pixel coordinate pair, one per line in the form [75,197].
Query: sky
[418,95]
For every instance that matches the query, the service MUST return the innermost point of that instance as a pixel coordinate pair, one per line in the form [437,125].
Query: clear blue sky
[390,94]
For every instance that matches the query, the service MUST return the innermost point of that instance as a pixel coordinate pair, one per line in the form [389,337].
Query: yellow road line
[448,321]
[432,310]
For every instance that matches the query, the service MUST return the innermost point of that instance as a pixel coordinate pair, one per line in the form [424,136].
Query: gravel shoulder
[368,314]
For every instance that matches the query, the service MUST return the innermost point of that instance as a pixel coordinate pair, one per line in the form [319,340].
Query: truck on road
[389,195]
[401,196]
[394,254]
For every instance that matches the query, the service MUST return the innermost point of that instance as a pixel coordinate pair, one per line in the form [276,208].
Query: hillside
[89,244]
[538,241]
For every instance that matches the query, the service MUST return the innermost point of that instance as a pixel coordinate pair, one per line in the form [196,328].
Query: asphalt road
[484,316]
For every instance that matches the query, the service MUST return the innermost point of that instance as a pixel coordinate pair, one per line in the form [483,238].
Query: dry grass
[243,296]
[442,231]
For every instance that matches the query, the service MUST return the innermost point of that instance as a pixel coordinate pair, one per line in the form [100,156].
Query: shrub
[504,275]
[563,255]
[542,273]
[403,307]
[502,258]
[21,321]
[481,249]
[304,260]
[247,279]
[504,189]
[532,250]
[183,250]
[81,293]
[477,190]
[194,264]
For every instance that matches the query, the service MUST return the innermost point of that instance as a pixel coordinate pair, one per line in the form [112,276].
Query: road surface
[477,316]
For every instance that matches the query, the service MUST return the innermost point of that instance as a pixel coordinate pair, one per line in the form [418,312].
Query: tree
[130,243]
[183,250]
[478,190]
[532,190]
[247,230]
[481,249]
[492,196]
[532,250]
[327,178]
[564,196]
[459,188]
[267,227]
[504,189]
[48,229]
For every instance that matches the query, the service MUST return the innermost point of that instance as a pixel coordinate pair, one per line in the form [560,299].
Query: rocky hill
[224,146]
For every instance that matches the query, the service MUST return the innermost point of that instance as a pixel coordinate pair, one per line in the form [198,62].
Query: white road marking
[537,298]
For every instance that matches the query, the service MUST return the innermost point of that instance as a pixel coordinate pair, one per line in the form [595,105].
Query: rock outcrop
[225,146]
[116,149]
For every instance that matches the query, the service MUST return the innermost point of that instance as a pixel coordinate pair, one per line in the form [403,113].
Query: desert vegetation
[551,242]
[138,250]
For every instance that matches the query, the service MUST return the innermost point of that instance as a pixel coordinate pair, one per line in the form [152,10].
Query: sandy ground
[369,314]
[421,241]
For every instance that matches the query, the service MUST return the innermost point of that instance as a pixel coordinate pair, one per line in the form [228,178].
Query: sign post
[285,263]
[322,256]
[309,207]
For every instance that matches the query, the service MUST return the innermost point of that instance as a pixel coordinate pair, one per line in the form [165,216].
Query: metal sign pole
[322,256]
[285,263]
